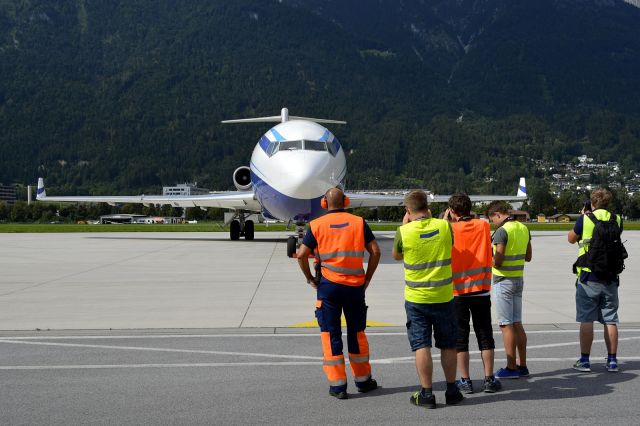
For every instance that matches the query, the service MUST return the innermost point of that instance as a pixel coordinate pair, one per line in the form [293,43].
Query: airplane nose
[306,174]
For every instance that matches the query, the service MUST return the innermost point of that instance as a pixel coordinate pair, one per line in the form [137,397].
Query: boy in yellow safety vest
[512,248]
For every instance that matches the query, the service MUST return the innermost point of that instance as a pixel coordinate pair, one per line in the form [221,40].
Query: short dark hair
[460,203]
[497,206]
[600,198]
[416,201]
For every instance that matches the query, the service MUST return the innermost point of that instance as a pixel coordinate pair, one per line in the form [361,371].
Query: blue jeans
[425,318]
[507,298]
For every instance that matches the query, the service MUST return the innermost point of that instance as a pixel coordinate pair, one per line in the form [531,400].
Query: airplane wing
[236,200]
[386,199]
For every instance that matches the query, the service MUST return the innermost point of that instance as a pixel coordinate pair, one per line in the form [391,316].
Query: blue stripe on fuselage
[264,143]
[277,135]
[283,207]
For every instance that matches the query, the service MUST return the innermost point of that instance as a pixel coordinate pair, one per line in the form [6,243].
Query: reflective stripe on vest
[471,257]
[426,250]
[340,238]
[515,251]
[587,232]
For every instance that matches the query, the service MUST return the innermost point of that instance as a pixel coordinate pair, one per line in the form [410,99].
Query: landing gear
[234,230]
[241,227]
[294,241]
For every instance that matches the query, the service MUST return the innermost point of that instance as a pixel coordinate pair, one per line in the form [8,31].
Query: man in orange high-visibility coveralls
[340,240]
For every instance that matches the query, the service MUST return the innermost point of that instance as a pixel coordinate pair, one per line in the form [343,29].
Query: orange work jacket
[340,238]
[471,257]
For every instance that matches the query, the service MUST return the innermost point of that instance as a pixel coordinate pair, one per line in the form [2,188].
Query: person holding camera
[597,291]
[424,244]
[340,240]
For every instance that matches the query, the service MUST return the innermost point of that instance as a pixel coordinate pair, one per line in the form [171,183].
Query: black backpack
[606,253]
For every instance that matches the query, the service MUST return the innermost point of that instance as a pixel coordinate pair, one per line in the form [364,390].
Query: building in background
[184,190]
[8,194]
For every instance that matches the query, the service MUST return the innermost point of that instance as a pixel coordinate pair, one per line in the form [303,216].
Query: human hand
[312,283]
[406,219]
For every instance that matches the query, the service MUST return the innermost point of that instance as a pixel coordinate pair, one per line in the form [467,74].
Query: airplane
[292,166]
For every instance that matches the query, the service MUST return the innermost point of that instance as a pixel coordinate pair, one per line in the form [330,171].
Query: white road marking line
[549,345]
[246,364]
[141,348]
[182,336]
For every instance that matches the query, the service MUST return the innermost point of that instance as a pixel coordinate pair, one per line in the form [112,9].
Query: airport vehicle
[292,166]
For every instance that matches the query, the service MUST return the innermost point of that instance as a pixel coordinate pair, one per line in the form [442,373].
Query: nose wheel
[294,241]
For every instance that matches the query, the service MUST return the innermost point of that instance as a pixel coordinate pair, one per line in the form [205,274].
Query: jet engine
[242,178]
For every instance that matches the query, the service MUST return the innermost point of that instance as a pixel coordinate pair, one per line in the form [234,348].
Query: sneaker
[465,386]
[453,398]
[421,401]
[367,386]
[507,373]
[612,365]
[492,385]
[524,371]
[582,366]
[339,395]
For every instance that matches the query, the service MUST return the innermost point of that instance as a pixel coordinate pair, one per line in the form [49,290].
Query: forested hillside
[125,96]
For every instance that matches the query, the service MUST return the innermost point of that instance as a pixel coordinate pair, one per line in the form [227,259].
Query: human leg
[424,367]
[481,314]
[462,344]
[355,313]
[328,313]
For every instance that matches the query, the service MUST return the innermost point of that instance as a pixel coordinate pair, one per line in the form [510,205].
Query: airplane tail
[522,188]
[283,117]
[40,192]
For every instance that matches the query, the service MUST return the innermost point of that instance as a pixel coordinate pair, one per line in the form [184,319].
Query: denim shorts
[507,298]
[597,302]
[425,318]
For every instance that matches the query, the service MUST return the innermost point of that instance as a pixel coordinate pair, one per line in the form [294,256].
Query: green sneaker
[421,401]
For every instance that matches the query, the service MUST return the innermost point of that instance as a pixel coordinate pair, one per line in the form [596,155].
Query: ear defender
[323,203]
[347,201]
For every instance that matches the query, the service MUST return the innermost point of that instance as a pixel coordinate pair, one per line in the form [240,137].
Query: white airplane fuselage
[292,167]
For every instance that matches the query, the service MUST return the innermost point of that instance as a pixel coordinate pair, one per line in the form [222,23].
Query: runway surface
[194,329]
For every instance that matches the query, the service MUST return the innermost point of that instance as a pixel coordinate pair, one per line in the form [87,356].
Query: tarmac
[190,328]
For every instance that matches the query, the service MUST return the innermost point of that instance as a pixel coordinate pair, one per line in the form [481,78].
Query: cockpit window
[290,145]
[315,146]
[306,145]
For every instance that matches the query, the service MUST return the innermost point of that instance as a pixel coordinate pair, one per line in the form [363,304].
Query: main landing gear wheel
[292,242]
[248,230]
[234,230]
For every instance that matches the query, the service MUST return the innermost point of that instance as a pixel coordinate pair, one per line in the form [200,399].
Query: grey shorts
[597,302]
[507,298]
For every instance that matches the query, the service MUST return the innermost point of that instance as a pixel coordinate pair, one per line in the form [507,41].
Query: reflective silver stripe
[334,361]
[470,272]
[515,257]
[347,271]
[429,283]
[420,266]
[359,358]
[469,284]
[325,256]
[338,382]
[583,242]
[511,268]
[361,379]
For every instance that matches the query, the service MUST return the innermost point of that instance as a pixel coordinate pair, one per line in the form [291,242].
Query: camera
[587,206]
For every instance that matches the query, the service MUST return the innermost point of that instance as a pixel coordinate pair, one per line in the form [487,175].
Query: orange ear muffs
[347,201]
[323,203]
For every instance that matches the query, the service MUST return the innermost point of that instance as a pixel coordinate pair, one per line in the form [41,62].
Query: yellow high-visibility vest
[515,251]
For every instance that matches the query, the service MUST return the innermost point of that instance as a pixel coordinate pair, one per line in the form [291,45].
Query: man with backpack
[600,259]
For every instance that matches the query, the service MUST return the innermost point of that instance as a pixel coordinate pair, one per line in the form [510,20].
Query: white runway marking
[142,348]
[250,364]
[182,336]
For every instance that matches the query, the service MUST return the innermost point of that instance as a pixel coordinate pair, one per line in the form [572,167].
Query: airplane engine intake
[242,178]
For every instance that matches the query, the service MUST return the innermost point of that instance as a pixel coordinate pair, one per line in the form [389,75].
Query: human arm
[303,261]
[527,256]
[374,258]
[576,233]
[498,256]
[396,251]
